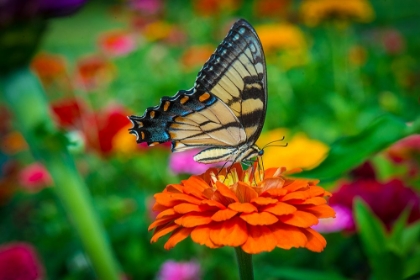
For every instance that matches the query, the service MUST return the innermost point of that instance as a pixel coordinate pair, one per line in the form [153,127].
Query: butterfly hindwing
[224,112]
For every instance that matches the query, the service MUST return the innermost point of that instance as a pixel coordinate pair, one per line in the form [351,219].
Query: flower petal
[201,235]
[193,220]
[184,208]
[264,201]
[259,219]
[288,237]
[166,213]
[213,203]
[320,211]
[316,242]
[260,239]
[223,194]
[159,232]
[296,185]
[315,201]
[243,207]
[300,195]
[245,193]
[170,199]
[272,183]
[299,219]
[233,232]
[177,236]
[223,215]
[280,208]
[160,222]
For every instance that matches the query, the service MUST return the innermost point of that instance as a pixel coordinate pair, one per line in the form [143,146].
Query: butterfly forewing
[224,112]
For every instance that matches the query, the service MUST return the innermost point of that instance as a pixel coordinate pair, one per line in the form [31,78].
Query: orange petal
[169,199]
[260,239]
[245,193]
[259,219]
[224,195]
[176,237]
[315,201]
[280,208]
[299,219]
[274,192]
[243,207]
[300,195]
[288,237]
[193,219]
[201,235]
[233,232]
[271,183]
[264,201]
[316,242]
[223,215]
[174,188]
[195,185]
[160,222]
[184,208]
[166,213]
[213,203]
[296,185]
[321,211]
[163,231]
[317,191]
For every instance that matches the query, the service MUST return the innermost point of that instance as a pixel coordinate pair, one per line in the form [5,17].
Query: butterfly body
[223,114]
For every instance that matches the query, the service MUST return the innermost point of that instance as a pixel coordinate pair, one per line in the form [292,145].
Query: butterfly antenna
[278,140]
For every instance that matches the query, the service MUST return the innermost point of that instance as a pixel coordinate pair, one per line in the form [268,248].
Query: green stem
[25,97]
[246,271]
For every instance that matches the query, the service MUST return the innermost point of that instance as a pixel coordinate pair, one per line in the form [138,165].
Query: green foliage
[350,91]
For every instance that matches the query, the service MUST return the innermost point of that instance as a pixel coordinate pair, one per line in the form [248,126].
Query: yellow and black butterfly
[224,112]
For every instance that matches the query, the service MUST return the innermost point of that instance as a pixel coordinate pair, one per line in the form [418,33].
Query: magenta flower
[387,200]
[407,152]
[172,270]
[183,163]
[34,177]
[343,221]
[117,43]
[19,261]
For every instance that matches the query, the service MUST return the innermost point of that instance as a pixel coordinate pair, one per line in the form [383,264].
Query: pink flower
[183,162]
[172,270]
[386,200]
[117,43]
[407,151]
[392,41]
[147,7]
[19,261]
[34,177]
[343,221]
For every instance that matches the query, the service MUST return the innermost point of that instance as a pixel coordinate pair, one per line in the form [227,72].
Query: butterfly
[223,114]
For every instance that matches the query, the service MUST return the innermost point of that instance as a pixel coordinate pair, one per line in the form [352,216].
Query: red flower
[407,151]
[93,72]
[68,112]
[387,200]
[117,43]
[19,261]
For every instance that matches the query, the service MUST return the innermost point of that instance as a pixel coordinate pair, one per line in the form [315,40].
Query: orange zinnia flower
[239,209]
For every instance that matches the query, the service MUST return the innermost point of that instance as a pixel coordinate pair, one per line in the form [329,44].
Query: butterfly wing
[225,109]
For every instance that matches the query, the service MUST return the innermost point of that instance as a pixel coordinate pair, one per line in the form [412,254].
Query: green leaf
[411,237]
[396,238]
[371,230]
[349,152]
[385,264]
[298,274]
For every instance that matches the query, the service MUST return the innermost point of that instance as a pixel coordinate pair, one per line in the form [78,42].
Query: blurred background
[343,81]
